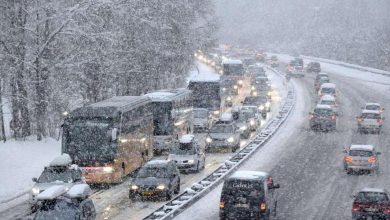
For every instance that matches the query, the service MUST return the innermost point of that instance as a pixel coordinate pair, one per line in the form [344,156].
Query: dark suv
[248,195]
[313,67]
[157,178]
[371,202]
[323,118]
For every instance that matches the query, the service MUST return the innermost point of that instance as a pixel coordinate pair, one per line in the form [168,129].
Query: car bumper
[370,128]
[242,214]
[187,167]
[322,125]
[218,145]
[364,215]
[361,167]
[148,193]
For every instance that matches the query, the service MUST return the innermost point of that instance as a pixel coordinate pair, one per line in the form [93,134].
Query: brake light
[380,121]
[387,210]
[221,204]
[348,159]
[355,208]
[360,120]
[372,159]
[311,116]
[263,207]
[333,117]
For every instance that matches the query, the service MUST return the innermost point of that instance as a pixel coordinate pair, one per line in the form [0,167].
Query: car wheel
[177,189]
[197,167]
[169,195]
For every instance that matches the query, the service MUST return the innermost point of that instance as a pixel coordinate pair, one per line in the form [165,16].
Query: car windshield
[323,112]
[254,99]
[244,116]
[373,107]
[221,128]
[327,102]
[252,109]
[328,90]
[233,69]
[158,172]
[183,149]
[371,197]
[200,113]
[360,153]
[53,174]
[371,116]
[57,210]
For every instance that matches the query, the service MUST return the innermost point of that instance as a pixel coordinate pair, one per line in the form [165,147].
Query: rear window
[323,112]
[237,188]
[373,107]
[360,153]
[222,128]
[328,90]
[371,116]
[371,197]
[327,102]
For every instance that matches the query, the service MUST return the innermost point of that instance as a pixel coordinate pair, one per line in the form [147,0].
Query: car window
[371,116]
[183,149]
[327,102]
[158,172]
[221,128]
[56,174]
[371,197]
[88,211]
[360,153]
[373,107]
[243,188]
[323,112]
[328,90]
[57,210]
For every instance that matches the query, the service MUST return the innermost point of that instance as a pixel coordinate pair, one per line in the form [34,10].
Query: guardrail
[201,188]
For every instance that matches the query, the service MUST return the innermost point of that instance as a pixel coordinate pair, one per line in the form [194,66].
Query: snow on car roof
[368,189]
[79,191]
[361,147]
[166,95]
[328,85]
[232,62]
[185,139]
[328,98]
[157,162]
[248,175]
[373,103]
[365,111]
[227,116]
[209,77]
[322,74]
[323,106]
[52,192]
[61,161]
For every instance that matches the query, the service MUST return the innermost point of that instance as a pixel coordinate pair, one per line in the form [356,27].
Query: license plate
[242,205]
[147,193]
[371,209]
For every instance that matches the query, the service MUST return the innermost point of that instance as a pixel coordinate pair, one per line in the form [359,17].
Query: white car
[370,121]
[61,171]
[373,106]
[327,89]
[188,154]
[331,101]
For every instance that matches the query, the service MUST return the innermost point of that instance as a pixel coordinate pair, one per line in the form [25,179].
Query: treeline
[58,55]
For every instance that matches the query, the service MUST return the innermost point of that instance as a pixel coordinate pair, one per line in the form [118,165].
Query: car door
[88,211]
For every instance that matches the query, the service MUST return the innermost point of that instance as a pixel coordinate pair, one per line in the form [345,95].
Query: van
[248,195]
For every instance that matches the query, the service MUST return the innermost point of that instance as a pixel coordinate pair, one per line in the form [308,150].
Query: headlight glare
[209,140]
[134,187]
[161,187]
[35,190]
[230,140]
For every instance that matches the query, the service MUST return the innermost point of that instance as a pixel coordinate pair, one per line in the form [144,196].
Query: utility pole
[1,115]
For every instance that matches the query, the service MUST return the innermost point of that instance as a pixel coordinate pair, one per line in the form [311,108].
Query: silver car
[223,135]
[201,119]
[361,157]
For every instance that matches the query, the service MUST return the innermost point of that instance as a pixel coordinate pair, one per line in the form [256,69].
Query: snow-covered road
[308,165]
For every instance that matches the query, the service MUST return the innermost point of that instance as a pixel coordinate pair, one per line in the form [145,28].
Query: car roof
[328,98]
[371,111]
[249,175]
[157,163]
[227,116]
[368,189]
[231,61]
[373,103]
[328,85]
[319,106]
[63,160]
[361,147]
[185,139]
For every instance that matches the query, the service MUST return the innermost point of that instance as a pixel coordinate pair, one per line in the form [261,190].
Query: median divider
[201,188]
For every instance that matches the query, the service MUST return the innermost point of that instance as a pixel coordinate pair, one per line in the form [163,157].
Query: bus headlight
[240,82]
[209,140]
[134,187]
[35,191]
[230,140]
[108,169]
[161,187]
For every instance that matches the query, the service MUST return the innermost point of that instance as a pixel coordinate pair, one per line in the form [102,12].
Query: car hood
[44,186]
[181,158]
[150,181]
[220,135]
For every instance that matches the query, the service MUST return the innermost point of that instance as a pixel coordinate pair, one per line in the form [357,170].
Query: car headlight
[191,161]
[230,140]
[243,128]
[235,87]
[267,104]
[35,191]
[240,82]
[261,107]
[209,140]
[252,122]
[253,88]
[269,93]
[216,112]
[108,169]
[161,187]
[254,93]
[229,98]
[224,89]
[134,187]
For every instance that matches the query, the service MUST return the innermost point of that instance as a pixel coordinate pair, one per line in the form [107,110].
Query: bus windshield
[205,95]
[162,118]
[88,141]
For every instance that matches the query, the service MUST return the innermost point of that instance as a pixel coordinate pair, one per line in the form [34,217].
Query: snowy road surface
[308,165]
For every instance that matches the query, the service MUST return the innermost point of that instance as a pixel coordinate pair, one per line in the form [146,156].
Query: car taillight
[387,210]
[263,207]
[311,117]
[372,159]
[380,121]
[355,208]
[348,159]
[360,120]
[333,117]
[221,204]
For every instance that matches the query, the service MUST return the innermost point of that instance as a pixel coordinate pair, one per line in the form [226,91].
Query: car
[248,195]
[323,118]
[229,100]
[60,171]
[331,101]
[60,202]
[187,154]
[373,106]
[201,119]
[370,121]
[321,75]
[251,118]
[229,86]
[243,123]
[156,178]
[295,68]
[274,61]
[314,67]
[327,89]
[371,203]
[254,109]
[320,82]
[261,102]
[223,135]
[361,157]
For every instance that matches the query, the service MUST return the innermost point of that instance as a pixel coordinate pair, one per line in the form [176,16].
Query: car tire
[169,195]
[197,167]
[177,188]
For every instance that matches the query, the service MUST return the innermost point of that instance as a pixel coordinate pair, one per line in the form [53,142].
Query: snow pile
[79,191]
[52,192]
[60,161]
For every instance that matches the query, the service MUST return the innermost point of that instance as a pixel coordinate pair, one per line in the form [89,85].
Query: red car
[371,202]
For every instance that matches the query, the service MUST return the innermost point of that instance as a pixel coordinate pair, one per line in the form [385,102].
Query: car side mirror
[35,180]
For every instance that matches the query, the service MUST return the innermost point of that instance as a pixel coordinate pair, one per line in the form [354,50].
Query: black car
[157,178]
[371,202]
[248,195]
[313,67]
[261,102]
